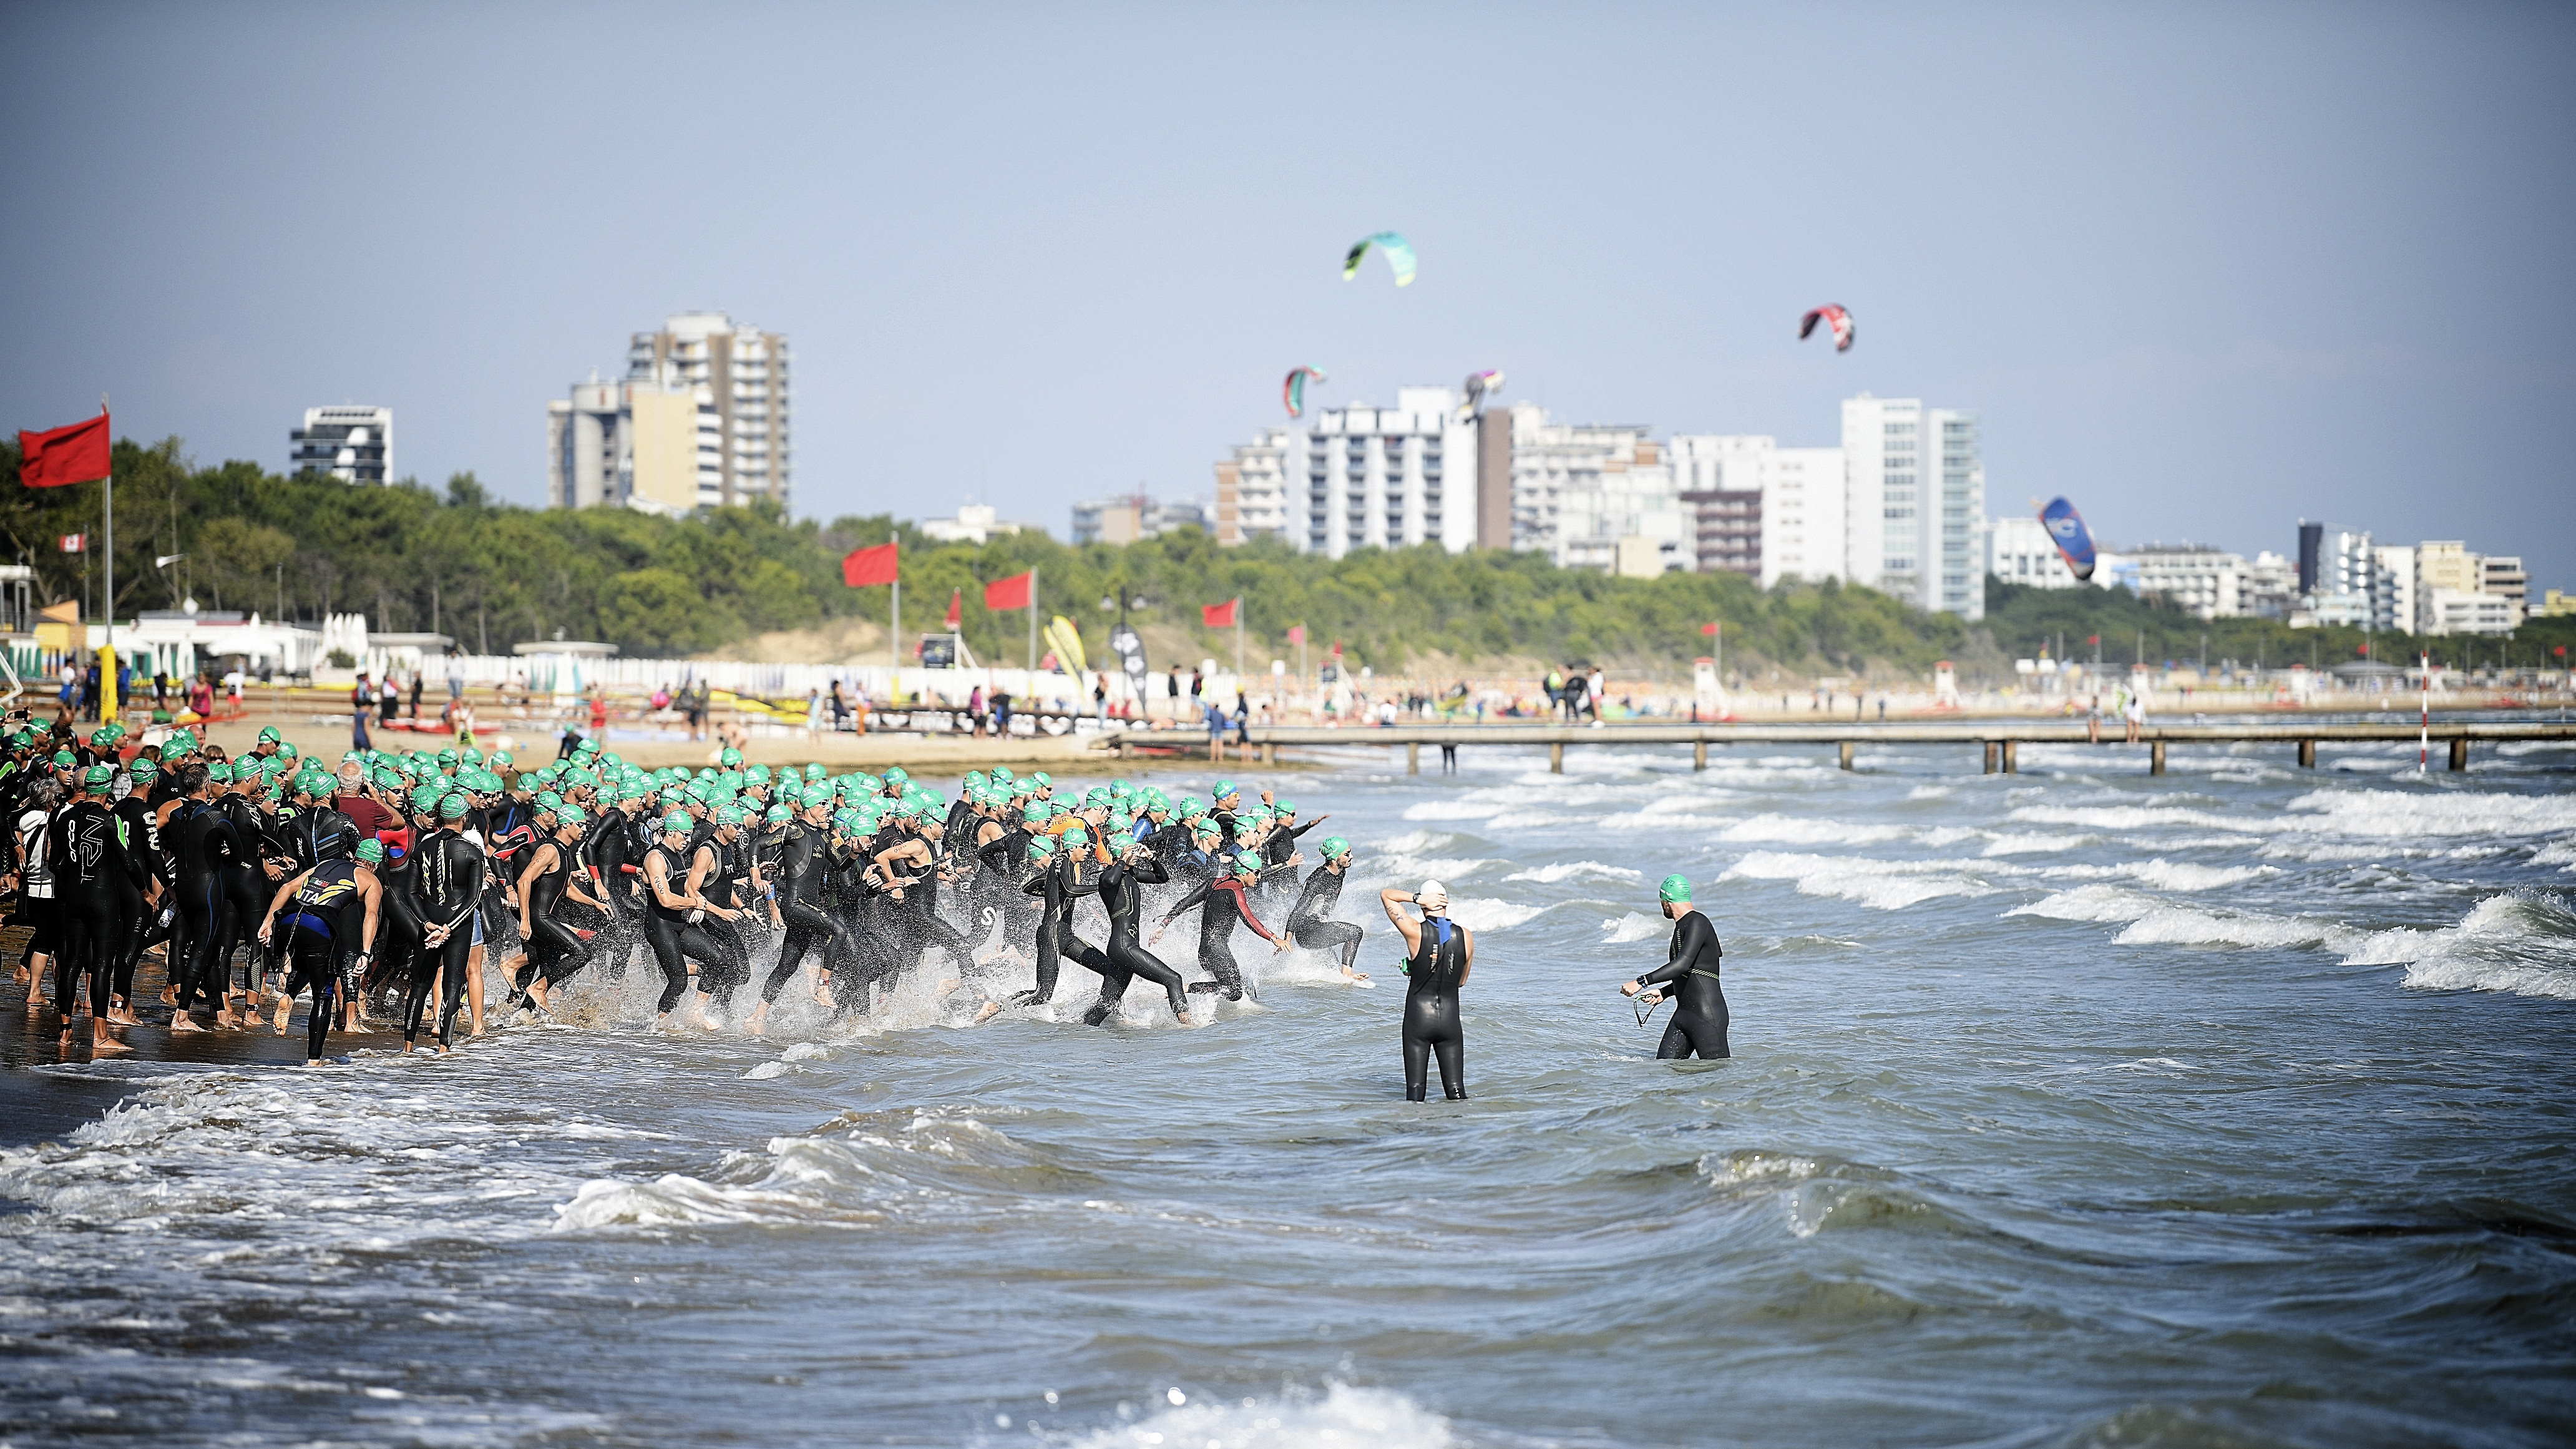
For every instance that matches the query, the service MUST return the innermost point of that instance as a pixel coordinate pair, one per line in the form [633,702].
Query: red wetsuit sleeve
[1243,905]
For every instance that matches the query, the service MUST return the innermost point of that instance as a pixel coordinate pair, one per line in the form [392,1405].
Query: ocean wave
[1884,885]
[1552,874]
[1484,913]
[2406,814]
[1454,809]
[1795,830]
[852,1178]
[2519,942]
[1633,927]
[1342,1417]
[2031,843]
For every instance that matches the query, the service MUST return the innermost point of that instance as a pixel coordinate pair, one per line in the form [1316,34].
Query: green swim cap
[1336,848]
[896,774]
[730,758]
[728,815]
[371,851]
[218,773]
[1225,788]
[1674,888]
[779,814]
[1041,846]
[570,815]
[1076,835]
[99,777]
[678,823]
[268,735]
[453,806]
[1247,862]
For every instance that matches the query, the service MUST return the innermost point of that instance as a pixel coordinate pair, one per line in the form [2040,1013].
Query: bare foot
[105,1043]
[989,1010]
[182,1021]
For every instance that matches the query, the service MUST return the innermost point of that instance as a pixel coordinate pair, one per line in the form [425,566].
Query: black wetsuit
[135,926]
[318,929]
[675,939]
[1122,894]
[1311,923]
[1220,904]
[555,950]
[206,848]
[447,876]
[1431,1025]
[810,930]
[34,832]
[1698,1027]
[247,885]
[86,847]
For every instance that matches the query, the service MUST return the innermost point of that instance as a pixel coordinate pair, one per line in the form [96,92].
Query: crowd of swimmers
[390,885]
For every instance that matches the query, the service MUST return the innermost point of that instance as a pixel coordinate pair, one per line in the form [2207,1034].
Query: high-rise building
[1550,458]
[1763,510]
[2205,582]
[1127,517]
[740,380]
[352,443]
[2271,586]
[1915,501]
[1627,518]
[2020,551]
[2396,602]
[1385,477]
[631,444]
[1252,488]
[2339,580]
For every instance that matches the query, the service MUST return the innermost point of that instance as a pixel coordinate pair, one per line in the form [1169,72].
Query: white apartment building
[739,376]
[1763,510]
[2206,582]
[1915,503]
[2020,551]
[2457,592]
[1549,458]
[1252,489]
[1127,517]
[975,523]
[2340,580]
[1628,519]
[2271,586]
[2393,578]
[1377,477]
[630,444]
[352,442]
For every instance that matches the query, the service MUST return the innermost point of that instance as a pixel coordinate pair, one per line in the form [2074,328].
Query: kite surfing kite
[1478,387]
[1399,255]
[2074,541]
[1833,315]
[1293,391]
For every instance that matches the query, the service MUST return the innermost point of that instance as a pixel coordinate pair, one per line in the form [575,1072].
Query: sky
[2205,269]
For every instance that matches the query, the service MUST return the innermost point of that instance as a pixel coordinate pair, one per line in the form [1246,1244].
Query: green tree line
[492,574]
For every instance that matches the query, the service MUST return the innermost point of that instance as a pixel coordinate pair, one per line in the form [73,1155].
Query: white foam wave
[2031,843]
[1454,809]
[2558,853]
[2519,942]
[1633,927]
[1343,1417]
[1551,874]
[2153,921]
[1794,830]
[2403,814]
[1884,885]
[1484,913]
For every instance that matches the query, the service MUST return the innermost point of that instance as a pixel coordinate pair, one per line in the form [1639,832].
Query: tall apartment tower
[740,377]
[352,443]
[1915,495]
[631,444]
[1384,477]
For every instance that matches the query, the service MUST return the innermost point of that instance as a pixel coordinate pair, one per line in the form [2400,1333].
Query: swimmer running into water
[1442,952]
[1689,975]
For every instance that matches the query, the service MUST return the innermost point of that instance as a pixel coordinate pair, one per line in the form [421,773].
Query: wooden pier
[1997,739]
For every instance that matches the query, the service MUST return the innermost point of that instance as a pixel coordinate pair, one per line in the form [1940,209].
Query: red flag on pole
[862,567]
[1010,593]
[75,542]
[1296,633]
[77,453]
[956,607]
[1219,616]
[1709,628]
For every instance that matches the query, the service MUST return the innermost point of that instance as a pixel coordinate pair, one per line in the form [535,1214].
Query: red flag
[2092,638]
[74,454]
[1010,593]
[74,542]
[1219,616]
[1296,633]
[1708,628]
[956,607]
[865,566]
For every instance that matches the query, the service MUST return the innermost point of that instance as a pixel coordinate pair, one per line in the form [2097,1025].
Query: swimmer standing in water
[1440,954]
[1689,971]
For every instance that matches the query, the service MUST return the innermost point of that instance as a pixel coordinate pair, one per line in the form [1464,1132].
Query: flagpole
[894,632]
[107,685]
[1033,626]
[1238,643]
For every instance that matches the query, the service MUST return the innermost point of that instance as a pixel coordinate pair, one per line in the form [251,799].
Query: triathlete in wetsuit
[1443,952]
[325,919]
[87,851]
[1310,921]
[810,931]
[1689,976]
[447,890]
[1220,904]
[672,910]
[555,949]
[206,847]
[139,912]
[1122,894]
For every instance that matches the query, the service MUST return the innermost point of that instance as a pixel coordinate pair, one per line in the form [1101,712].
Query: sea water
[2228,1107]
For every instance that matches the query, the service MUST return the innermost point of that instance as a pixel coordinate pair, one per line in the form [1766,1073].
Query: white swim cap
[1433,897]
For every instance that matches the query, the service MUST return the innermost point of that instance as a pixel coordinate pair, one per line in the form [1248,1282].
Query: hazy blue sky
[2204,268]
